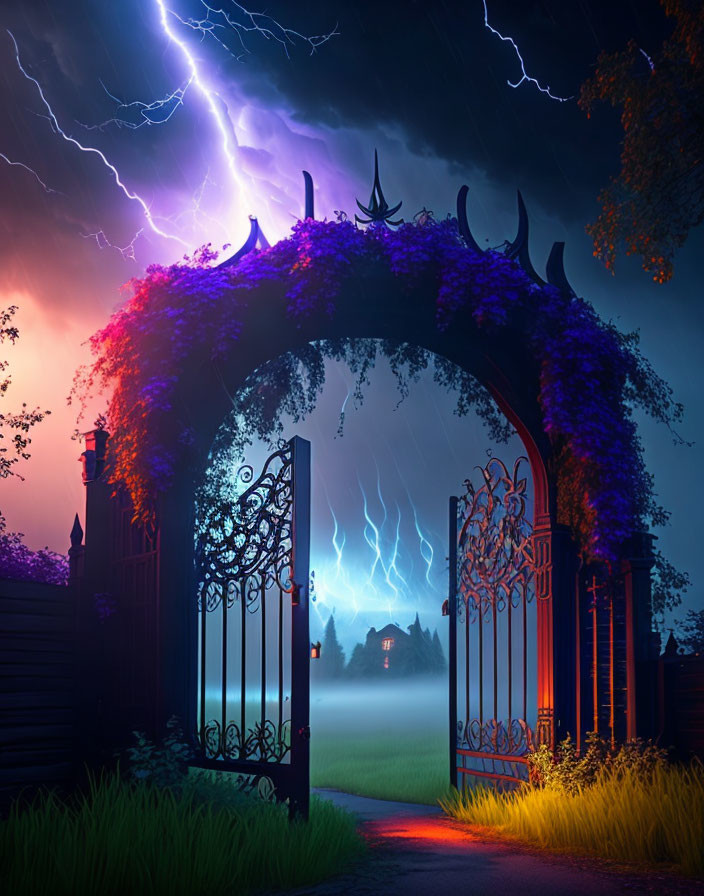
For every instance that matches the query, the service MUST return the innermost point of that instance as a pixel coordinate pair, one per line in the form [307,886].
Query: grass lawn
[388,741]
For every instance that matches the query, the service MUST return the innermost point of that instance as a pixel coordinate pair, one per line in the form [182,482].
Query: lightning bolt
[149,113]
[371,539]
[137,114]
[423,543]
[525,77]
[32,172]
[213,102]
[127,252]
[260,23]
[394,556]
[56,127]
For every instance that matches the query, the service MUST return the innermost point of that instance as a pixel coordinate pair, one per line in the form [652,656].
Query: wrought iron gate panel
[492,628]
[253,654]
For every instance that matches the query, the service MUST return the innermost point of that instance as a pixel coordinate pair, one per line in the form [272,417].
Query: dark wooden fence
[39,709]
[681,699]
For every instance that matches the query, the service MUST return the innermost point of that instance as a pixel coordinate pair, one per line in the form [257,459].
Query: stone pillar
[95,559]
[642,644]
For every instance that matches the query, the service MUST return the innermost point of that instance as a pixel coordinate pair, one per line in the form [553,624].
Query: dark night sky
[423,82]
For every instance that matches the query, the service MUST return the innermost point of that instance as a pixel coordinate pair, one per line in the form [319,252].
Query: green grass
[127,839]
[646,819]
[387,740]
[412,768]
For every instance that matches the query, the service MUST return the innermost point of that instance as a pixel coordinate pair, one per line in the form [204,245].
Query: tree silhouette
[692,637]
[21,422]
[17,561]
[439,661]
[331,663]
[658,196]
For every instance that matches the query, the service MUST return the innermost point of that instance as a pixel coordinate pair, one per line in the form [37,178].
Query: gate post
[300,646]
[556,570]
[642,644]
[94,581]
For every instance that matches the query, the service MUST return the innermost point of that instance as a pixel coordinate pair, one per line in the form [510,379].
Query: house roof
[391,631]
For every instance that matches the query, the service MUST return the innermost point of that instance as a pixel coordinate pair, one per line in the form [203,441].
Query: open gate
[493,621]
[252,566]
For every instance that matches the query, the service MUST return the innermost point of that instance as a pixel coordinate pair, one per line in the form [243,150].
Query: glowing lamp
[315,651]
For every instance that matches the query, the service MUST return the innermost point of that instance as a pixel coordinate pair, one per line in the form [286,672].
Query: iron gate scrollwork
[252,570]
[492,627]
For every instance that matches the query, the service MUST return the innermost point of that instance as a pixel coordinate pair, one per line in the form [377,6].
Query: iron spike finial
[555,269]
[518,249]
[76,535]
[310,202]
[256,237]
[462,222]
[378,211]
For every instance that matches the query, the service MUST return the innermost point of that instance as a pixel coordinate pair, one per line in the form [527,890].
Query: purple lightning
[46,188]
[56,127]
[524,74]
[156,112]
[254,22]
[127,252]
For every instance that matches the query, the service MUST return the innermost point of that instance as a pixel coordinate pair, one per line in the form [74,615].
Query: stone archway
[374,303]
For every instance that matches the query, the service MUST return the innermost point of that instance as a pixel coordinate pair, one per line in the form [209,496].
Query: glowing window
[386,662]
[387,643]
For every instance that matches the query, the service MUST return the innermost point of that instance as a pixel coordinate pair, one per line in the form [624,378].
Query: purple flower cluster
[591,375]
[19,562]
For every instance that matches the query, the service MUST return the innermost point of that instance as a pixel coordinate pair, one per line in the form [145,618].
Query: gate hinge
[304,732]
[295,594]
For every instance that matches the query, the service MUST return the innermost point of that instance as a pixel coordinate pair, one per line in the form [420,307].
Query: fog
[379,498]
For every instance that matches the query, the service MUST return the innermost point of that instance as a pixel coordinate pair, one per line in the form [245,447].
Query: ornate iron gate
[253,576]
[492,614]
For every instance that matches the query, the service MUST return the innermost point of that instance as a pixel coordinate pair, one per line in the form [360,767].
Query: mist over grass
[382,739]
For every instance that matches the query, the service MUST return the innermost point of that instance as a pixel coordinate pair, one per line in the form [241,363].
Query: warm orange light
[315,651]
[387,644]
[429,830]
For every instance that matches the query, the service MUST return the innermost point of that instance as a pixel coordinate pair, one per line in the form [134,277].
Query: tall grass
[646,819]
[139,839]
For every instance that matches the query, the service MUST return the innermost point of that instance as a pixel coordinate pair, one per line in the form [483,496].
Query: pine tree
[439,661]
[331,663]
[418,655]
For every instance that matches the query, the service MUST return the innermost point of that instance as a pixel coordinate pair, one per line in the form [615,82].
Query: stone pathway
[417,851]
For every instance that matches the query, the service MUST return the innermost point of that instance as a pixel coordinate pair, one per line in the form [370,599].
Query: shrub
[165,766]
[567,771]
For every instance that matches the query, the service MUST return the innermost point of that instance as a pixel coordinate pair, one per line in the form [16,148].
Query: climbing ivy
[183,316]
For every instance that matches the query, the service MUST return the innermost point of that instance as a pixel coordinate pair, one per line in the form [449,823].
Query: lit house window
[387,643]
[386,662]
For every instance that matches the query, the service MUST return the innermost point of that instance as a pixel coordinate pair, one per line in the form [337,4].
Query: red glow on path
[422,831]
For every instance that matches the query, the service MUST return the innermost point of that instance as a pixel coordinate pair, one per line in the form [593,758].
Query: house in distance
[389,652]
